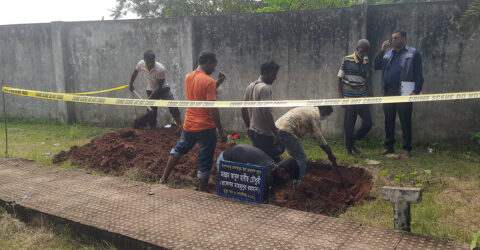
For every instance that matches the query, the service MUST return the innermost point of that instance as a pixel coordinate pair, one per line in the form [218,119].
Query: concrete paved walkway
[185,219]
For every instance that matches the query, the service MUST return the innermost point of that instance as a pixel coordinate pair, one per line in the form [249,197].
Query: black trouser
[163,93]
[404,111]
[351,113]
[266,144]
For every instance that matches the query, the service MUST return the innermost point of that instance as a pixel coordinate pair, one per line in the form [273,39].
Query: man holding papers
[401,75]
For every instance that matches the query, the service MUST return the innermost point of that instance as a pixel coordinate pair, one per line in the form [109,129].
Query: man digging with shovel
[154,73]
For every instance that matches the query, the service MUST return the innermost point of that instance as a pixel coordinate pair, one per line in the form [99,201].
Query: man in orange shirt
[200,124]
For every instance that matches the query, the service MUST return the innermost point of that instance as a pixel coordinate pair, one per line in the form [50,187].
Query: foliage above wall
[470,21]
[173,8]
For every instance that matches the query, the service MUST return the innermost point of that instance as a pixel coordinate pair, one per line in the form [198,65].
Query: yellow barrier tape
[81,93]
[242,104]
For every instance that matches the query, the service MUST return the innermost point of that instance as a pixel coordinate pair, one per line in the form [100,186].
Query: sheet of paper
[406,88]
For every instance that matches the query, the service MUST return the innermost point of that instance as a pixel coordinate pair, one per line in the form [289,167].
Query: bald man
[352,83]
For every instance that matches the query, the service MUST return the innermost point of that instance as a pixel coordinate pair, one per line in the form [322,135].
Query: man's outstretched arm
[132,79]
[326,148]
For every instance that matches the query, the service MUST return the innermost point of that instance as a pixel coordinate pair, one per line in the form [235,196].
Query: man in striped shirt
[352,83]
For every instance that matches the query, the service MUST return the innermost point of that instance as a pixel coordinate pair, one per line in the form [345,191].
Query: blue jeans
[207,140]
[219,158]
[295,150]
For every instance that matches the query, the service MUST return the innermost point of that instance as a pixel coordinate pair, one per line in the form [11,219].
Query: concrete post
[58,67]
[401,197]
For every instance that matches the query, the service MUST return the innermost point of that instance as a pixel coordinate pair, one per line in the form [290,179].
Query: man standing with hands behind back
[401,75]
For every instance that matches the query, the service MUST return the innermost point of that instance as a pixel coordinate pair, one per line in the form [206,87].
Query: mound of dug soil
[147,152]
[322,190]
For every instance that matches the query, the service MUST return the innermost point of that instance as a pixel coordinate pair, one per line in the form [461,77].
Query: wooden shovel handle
[138,95]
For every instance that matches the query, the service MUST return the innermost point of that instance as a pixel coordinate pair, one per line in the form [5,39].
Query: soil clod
[147,152]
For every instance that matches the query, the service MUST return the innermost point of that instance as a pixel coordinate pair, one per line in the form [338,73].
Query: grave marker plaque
[240,181]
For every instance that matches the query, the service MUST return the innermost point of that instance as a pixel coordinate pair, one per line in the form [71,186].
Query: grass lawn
[15,234]
[450,176]
[36,140]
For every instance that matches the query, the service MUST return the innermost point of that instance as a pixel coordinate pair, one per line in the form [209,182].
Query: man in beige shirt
[259,121]
[299,122]
[154,73]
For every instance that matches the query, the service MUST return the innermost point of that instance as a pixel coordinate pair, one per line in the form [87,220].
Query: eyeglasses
[396,37]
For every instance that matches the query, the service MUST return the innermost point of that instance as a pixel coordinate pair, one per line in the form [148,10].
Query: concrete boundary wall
[309,45]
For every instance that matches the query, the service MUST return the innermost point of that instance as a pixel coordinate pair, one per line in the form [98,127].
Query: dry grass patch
[15,234]
[463,196]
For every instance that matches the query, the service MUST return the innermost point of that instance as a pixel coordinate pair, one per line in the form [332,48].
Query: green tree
[470,21]
[286,5]
[173,8]
[398,1]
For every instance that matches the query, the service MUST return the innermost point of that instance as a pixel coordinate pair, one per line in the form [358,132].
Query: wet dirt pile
[146,152]
[322,190]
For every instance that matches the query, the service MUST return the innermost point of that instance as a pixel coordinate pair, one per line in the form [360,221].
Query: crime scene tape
[241,104]
[83,93]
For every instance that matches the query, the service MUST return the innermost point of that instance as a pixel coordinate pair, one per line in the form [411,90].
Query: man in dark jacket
[401,75]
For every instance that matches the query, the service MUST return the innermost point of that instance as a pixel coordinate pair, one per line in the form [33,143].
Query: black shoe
[386,152]
[351,154]
[355,150]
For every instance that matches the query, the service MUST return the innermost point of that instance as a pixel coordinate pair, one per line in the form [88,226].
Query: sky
[46,11]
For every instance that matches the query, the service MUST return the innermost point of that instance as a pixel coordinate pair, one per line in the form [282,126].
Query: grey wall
[28,61]
[450,64]
[100,55]
[309,45]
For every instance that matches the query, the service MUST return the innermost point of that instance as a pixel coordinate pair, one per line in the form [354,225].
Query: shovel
[139,97]
[148,119]
[349,197]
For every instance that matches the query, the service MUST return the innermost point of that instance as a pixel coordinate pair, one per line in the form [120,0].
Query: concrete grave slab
[139,214]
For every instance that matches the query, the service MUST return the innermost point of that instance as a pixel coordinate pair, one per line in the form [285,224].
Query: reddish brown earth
[322,190]
[147,151]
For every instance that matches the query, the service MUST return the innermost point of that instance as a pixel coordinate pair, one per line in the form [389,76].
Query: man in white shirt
[299,122]
[154,73]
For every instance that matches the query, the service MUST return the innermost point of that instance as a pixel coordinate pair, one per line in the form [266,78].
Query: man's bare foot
[162,181]
[203,185]
[405,154]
